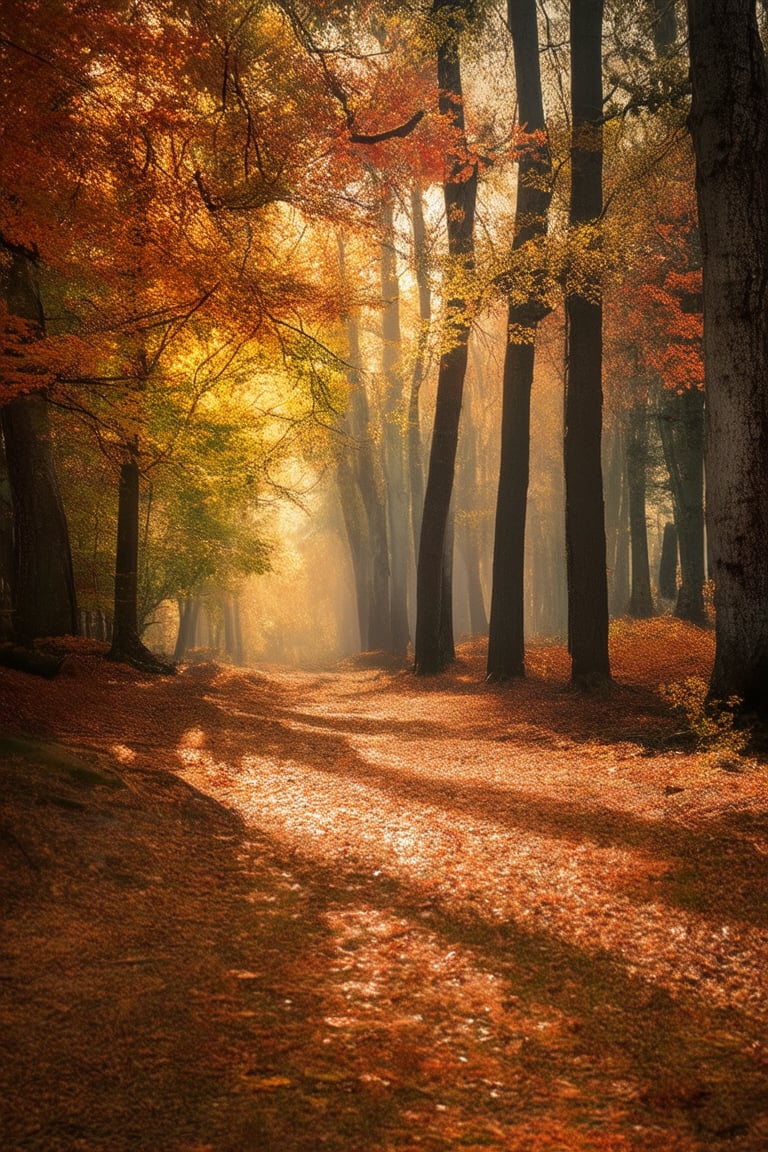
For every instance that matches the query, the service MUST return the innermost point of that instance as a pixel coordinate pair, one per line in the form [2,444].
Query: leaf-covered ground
[359,911]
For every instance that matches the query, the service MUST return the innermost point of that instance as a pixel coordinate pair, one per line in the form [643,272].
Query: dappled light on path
[459,916]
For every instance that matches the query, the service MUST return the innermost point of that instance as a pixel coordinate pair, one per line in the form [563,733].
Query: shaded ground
[362,912]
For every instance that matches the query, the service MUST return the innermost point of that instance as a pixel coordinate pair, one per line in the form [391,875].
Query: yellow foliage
[712,724]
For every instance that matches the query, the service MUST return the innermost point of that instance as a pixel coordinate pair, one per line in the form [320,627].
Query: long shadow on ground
[177,994]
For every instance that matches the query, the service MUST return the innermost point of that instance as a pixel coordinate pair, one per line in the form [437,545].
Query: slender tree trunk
[229,611]
[353,513]
[640,600]
[447,639]
[681,427]
[189,607]
[506,640]
[433,607]
[616,524]
[237,631]
[584,518]
[729,125]
[415,461]
[478,618]
[668,563]
[394,447]
[126,641]
[469,503]
[621,565]
[377,626]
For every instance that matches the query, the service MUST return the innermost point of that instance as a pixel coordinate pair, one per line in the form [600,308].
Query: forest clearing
[361,911]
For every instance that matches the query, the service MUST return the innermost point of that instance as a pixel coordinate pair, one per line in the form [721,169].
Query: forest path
[361,912]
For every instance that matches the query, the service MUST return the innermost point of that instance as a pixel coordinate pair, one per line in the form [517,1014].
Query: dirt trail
[359,912]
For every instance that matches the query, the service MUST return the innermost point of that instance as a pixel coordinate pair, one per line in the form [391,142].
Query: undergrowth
[711,723]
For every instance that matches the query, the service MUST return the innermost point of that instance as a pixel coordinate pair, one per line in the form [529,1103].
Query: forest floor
[357,911]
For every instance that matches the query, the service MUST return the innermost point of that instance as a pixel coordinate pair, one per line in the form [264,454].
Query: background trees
[177,188]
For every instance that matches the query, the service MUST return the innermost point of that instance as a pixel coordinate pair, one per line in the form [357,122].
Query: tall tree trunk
[446,639]
[584,521]
[433,607]
[506,641]
[377,626]
[617,541]
[353,513]
[126,641]
[415,462]
[668,563]
[189,607]
[43,585]
[640,599]
[468,500]
[478,618]
[729,125]
[681,426]
[394,447]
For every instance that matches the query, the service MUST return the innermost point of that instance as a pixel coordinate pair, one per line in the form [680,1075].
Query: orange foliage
[654,321]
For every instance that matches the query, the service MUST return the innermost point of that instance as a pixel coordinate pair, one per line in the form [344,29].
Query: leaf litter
[361,911]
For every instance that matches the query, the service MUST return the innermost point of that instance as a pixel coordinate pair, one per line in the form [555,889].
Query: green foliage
[711,723]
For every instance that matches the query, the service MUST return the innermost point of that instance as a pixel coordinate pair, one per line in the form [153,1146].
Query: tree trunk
[640,600]
[126,642]
[468,500]
[668,563]
[617,533]
[729,125]
[394,447]
[353,513]
[478,619]
[189,606]
[376,631]
[506,640]
[43,585]
[584,522]
[446,640]
[415,463]
[433,607]
[681,427]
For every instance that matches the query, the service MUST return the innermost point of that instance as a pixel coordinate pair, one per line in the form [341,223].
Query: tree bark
[189,606]
[584,518]
[353,513]
[377,626]
[506,640]
[617,534]
[446,638]
[415,462]
[394,447]
[681,426]
[433,607]
[469,502]
[42,579]
[640,599]
[729,125]
[668,563]
[126,641]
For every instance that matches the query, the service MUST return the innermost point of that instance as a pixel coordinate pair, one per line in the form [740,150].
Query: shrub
[710,722]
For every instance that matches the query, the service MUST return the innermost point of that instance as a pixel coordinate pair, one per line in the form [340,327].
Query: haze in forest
[335,329]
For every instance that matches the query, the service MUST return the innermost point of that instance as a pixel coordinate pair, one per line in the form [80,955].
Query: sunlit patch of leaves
[710,723]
